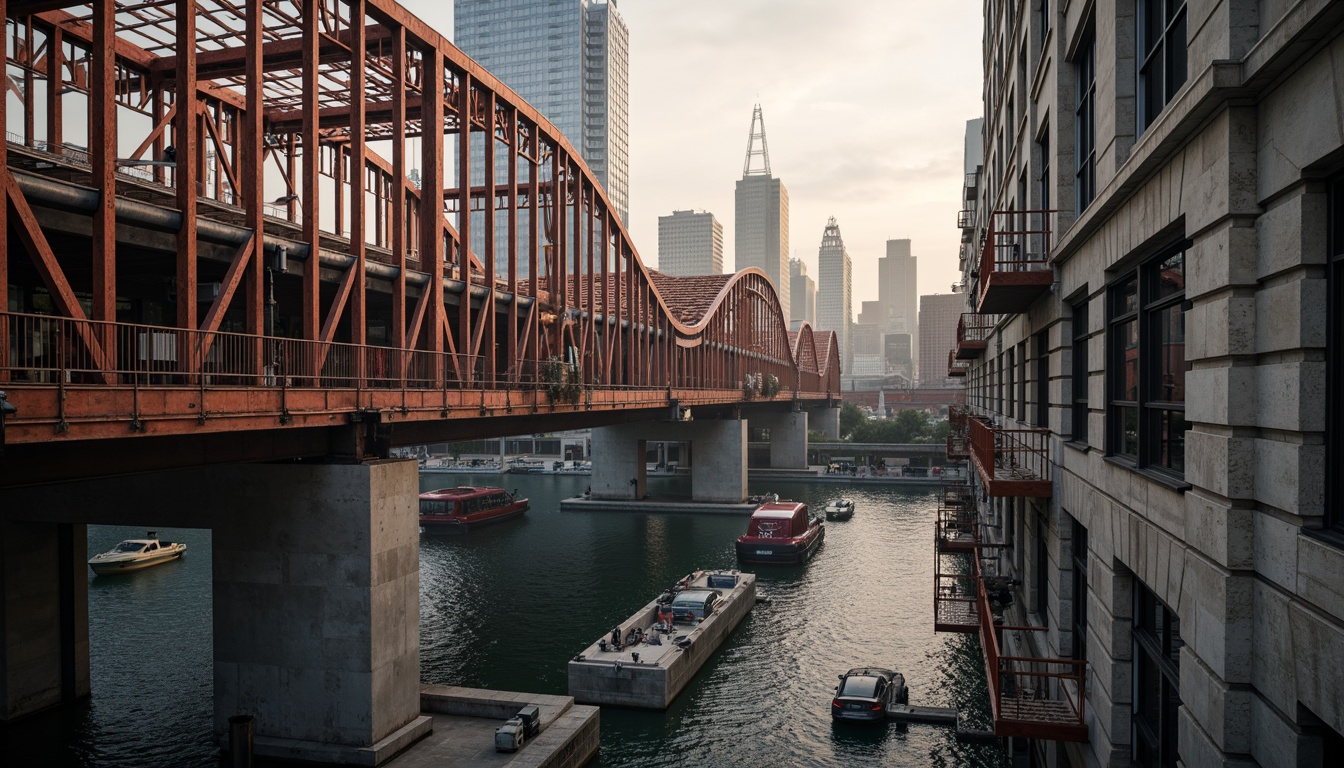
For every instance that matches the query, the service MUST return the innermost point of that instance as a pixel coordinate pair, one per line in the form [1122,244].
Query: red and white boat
[781,533]
[457,510]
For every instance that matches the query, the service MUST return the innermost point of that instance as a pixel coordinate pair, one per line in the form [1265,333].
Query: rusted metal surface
[1015,264]
[351,137]
[1011,462]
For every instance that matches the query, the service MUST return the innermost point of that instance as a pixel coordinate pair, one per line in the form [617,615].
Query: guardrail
[1012,462]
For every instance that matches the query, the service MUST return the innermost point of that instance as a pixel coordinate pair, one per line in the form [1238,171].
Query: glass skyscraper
[569,59]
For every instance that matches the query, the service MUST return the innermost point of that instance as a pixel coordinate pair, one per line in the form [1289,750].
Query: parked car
[694,605]
[865,692]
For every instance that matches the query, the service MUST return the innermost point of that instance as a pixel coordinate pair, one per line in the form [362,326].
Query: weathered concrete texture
[788,438]
[464,723]
[44,627]
[718,472]
[825,421]
[316,608]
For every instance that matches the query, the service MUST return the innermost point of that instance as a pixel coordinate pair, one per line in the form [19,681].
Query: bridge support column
[316,610]
[44,616]
[718,471]
[827,421]
[788,438]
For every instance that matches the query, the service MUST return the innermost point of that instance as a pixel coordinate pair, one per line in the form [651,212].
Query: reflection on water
[507,606]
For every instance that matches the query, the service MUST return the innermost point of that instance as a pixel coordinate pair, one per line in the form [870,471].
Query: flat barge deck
[600,674]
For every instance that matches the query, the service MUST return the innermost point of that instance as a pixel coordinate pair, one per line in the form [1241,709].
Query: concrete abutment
[718,473]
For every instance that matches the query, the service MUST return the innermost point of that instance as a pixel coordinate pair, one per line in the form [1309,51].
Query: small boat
[457,510]
[840,509]
[762,498]
[781,533]
[136,555]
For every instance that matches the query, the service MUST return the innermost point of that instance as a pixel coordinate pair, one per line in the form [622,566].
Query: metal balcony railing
[973,331]
[956,367]
[966,218]
[1030,697]
[1011,462]
[1015,260]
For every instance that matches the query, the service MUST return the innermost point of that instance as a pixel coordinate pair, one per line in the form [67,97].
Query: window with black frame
[1146,364]
[1078,584]
[1084,122]
[1079,373]
[1043,379]
[1162,56]
[1334,355]
[1157,679]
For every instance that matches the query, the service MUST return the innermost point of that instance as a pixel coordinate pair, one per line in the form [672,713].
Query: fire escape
[1015,265]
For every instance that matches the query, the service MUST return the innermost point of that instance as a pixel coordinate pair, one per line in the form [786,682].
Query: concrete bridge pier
[44,616]
[317,610]
[826,419]
[718,471]
[788,438]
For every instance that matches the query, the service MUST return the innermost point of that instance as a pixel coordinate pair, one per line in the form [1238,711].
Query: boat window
[435,507]
[860,685]
[129,546]
[153,545]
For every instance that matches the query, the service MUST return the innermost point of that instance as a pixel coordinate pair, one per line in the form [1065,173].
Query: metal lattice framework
[292,209]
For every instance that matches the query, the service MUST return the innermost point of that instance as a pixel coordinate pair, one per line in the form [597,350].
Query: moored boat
[457,510]
[781,533]
[650,657]
[840,509]
[136,555]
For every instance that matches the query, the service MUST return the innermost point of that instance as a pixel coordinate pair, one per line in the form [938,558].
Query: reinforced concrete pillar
[620,471]
[718,473]
[316,610]
[44,616]
[827,421]
[788,438]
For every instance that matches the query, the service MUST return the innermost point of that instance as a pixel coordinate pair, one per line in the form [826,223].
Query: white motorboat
[136,555]
[840,509]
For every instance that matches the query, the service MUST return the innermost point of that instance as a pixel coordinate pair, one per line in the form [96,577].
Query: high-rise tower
[835,310]
[690,243]
[761,223]
[803,296]
[570,59]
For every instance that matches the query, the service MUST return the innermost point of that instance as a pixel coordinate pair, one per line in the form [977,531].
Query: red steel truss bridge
[250,230]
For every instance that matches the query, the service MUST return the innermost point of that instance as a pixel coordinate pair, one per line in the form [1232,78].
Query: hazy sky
[865,105]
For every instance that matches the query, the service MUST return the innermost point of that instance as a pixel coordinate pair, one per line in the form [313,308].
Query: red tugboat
[781,533]
[457,510]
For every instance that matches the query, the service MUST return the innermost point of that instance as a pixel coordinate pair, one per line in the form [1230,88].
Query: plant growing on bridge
[560,380]
[770,387]
[751,386]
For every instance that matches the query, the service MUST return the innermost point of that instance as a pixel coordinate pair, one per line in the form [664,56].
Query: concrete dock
[613,677]
[464,730]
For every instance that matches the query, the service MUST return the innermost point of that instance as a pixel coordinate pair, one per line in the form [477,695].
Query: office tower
[690,243]
[803,296]
[897,275]
[761,216]
[570,60]
[834,289]
[938,316]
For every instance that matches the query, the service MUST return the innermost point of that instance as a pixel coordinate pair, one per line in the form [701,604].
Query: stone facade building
[690,243]
[1156,426]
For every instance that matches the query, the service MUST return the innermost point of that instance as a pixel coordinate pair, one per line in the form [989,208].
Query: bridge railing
[43,349]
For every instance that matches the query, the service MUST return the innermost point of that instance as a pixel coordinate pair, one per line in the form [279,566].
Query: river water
[506,607]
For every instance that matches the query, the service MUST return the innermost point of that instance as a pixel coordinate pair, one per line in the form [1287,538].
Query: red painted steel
[1011,462]
[271,161]
[1015,263]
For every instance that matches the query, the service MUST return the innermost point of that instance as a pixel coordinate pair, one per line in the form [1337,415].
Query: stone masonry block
[1218,531]
[1320,568]
[1221,257]
[1291,396]
[1222,712]
[1299,122]
[1290,476]
[1290,315]
[1274,666]
[1291,233]
[1223,464]
[1318,652]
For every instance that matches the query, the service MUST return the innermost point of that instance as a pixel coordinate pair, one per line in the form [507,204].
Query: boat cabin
[464,500]
[779,520]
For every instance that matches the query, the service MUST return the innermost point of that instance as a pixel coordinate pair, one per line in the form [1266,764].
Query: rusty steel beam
[310,190]
[253,190]
[431,196]
[358,237]
[186,174]
[399,186]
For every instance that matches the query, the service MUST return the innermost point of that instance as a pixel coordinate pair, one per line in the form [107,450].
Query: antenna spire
[763,152]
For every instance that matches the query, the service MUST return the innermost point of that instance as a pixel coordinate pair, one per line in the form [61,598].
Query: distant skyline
[868,127]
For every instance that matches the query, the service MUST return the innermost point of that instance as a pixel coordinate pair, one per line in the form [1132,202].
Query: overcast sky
[865,105]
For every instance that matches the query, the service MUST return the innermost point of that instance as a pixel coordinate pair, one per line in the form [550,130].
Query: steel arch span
[254,216]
